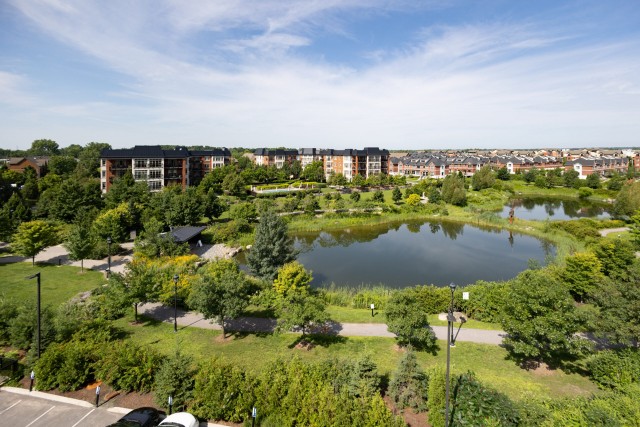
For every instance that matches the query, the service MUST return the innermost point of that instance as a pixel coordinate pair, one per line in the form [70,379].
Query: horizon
[401,75]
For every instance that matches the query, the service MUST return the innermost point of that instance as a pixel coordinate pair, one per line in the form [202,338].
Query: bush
[8,311]
[582,229]
[409,384]
[432,299]
[615,368]
[175,378]
[128,367]
[486,300]
[222,392]
[46,369]
[476,405]
[436,396]
[585,192]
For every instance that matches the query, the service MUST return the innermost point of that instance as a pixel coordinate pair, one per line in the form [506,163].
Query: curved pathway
[254,324]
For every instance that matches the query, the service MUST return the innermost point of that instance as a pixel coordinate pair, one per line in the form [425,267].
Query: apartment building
[160,168]
[601,165]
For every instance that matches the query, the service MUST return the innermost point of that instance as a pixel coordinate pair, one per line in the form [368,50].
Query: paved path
[252,324]
[606,231]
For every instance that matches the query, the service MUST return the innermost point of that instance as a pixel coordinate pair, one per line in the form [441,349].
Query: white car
[180,419]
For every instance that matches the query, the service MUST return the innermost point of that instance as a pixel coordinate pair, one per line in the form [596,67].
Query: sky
[321,73]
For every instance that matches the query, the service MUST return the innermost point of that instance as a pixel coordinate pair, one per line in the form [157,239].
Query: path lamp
[175,302]
[450,343]
[108,257]
[373,307]
[37,276]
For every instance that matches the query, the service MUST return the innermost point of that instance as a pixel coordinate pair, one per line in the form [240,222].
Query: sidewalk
[252,324]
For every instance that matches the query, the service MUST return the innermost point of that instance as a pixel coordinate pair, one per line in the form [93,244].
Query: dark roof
[156,152]
[186,233]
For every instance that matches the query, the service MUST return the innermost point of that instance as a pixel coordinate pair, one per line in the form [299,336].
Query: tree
[503,174]
[222,292]
[272,247]
[615,256]
[114,223]
[126,189]
[292,278]
[246,211]
[314,171]
[484,178]
[634,229]
[153,243]
[32,237]
[302,310]
[582,274]
[408,385]
[355,196]
[453,190]
[62,165]
[618,301]
[358,180]
[628,200]
[413,200]
[234,184]
[407,319]
[378,196]
[541,320]
[571,177]
[89,160]
[396,195]
[79,243]
[44,147]
[310,204]
[141,280]
[531,175]
[339,180]
[593,181]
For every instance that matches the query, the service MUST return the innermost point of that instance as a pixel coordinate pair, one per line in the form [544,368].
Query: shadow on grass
[308,342]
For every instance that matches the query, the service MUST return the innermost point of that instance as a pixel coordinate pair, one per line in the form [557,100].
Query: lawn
[254,351]
[58,283]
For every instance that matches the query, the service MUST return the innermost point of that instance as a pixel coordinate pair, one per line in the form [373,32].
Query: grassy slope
[58,284]
[253,352]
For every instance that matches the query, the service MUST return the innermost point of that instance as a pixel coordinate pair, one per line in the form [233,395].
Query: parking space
[28,411]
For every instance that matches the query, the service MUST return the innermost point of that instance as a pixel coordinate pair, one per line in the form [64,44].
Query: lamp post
[450,343]
[37,276]
[108,257]
[175,302]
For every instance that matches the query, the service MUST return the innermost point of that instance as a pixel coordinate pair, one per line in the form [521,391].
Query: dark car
[141,417]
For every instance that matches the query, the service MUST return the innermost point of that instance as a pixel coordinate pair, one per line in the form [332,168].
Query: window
[140,163]
[155,185]
[103,162]
[140,174]
[155,174]
[155,163]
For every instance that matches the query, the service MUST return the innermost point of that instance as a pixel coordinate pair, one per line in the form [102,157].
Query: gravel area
[217,251]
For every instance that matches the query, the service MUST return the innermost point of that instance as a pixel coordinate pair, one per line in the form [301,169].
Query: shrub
[175,378]
[582,229]
[128,367]
[222,392]
[474,404]
[46,369]
[585,192]
[8,310]
[432,299]
[615,368]
[486,300]
[409,384]
[436,396]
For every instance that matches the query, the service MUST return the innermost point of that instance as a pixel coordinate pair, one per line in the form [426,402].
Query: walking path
[253,324]
[606,231]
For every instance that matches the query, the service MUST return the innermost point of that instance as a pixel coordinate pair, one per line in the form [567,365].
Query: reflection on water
[543,208]
[412,253]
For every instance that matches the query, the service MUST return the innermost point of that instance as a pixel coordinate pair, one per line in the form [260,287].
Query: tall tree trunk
[33,261]
[135,311]
[82,266]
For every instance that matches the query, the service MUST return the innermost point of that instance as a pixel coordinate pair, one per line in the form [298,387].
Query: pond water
[416,253]
[554,209]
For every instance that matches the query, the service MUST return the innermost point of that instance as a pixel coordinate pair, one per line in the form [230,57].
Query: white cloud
[493,84]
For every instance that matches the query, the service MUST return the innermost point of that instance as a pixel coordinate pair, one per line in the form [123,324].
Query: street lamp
[450,343]
[37,276]
[175,302]
[109,257]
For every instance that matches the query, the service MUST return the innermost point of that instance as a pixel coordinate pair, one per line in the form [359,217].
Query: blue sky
[327,74]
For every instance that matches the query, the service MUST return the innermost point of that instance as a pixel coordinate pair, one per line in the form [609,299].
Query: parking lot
[28,411]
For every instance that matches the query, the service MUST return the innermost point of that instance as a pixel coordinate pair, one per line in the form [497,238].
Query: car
[141,417]
[180,419]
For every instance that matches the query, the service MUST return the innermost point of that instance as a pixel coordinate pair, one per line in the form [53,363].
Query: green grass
[58,283]
[254,351]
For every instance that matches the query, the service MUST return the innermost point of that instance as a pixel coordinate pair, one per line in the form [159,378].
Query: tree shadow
[309,341]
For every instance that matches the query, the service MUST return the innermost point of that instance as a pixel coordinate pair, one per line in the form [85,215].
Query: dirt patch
[221,339]
[543,370]
[305,345]
[411,418]
[399,349]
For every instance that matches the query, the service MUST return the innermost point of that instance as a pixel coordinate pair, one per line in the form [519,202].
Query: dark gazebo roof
[186,233]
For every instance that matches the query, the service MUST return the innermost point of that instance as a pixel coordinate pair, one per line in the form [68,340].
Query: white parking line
[10,407]
[40,416]
[80,420]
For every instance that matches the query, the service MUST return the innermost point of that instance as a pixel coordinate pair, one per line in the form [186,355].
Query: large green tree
[618,301]
[32,237]
[408,320]
[44,147]
[314,171]
[541,321]
[89,160]
[453,190]
[222,293]
[272,247]
[628,200]
[582,274]
[484,178]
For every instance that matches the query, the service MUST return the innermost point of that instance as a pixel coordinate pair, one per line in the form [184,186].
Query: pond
[555,209]
[416,253]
